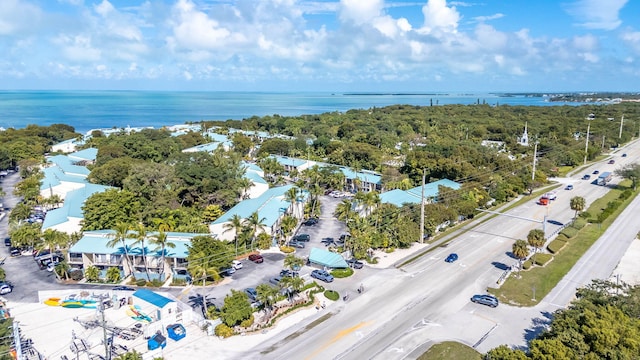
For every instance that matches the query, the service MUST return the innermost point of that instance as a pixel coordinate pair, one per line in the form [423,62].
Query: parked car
[14,252]
[288,273]
[485,300]
[355,263]
[310,222]
[451,258]
[227,271]
[596,172]
[302,237]
[251,293]
[612,161]
[5,288]
[624,155]
[51,266]
[7,241]
[322,275]
[123,288]
[236,264]
[569,187]
[586,177]
[275,280]
[256,258]
[296,243]
[328,241]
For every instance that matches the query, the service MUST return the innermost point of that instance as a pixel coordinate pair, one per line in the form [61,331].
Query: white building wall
[257,189]
[72,225]
[61,190]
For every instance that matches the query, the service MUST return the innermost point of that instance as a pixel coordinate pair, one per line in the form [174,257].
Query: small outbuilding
[157,341]
[176,331]
[327,259]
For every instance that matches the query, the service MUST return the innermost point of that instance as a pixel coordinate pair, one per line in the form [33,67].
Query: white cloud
[18,17]
[78,48]
[439,18]
[632,40]
[597,14]
[489,17]
[360,12]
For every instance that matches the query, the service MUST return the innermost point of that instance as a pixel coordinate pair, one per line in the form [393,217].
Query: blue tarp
[327,258]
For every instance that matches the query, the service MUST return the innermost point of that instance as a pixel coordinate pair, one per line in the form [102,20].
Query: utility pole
[621,122]
[586,144]
[424,175]
[17,341]
[107,347]
[535,154]
[603,141]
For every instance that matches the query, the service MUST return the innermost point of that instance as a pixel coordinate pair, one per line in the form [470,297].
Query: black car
[310,222]
[15,252]
[251,293]
[123,288]
[355,263]
[288,273]
[7,241]
[485,300]
[296,243]
[586,177]
[302,237]
[328,241]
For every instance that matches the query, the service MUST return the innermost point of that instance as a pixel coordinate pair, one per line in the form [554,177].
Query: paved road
[403,311]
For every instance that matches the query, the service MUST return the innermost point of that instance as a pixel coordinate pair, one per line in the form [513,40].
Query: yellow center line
[339,335]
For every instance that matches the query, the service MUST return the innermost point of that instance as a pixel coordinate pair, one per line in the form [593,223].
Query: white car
[5,288]
[236,264]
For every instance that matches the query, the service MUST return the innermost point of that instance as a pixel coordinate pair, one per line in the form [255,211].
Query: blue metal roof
[255,177]
[95,242]
[289,161]
[327,258]
[412,196]
[89,154]
[209,147]
[54,175]
[268,206]
[152,298]
[67,165]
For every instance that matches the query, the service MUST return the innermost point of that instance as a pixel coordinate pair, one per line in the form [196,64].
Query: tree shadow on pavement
[538,325]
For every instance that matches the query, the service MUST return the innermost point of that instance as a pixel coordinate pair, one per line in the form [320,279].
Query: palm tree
[577,204]
[287,225]
[292,284]
[119,237]
[92,273]
[344,210]
[161,242]
[267,294]
[315,191]
[52,239]
[536,239]
[198,266]
[255,223]
[520,249]
[113,275]
[236,225]
[139,235]
[62,269]
[292,196]
[293,262]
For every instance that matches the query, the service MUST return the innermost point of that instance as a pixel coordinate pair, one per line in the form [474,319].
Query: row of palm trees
[245,229]
[139,232]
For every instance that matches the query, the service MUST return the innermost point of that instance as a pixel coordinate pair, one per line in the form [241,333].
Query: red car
[256,258]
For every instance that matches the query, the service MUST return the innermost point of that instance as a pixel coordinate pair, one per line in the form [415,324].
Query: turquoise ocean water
[86,110]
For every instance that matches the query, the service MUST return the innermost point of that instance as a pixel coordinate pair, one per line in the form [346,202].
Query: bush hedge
[542,259]
[527,265]
[247,322]
[562,237]
[579,223]
[332,295]
[223,330]
[569,232]
[287,249]
[556,245]
[342,273]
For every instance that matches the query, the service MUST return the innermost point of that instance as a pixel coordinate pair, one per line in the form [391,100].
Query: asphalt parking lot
[252,275]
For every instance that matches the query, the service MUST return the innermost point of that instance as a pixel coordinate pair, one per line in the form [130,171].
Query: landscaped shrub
[342,273]
[247,322]
[141,282]
[562,237]
[76,275]
[579,223]
[556,245]
[625,194]
[223,330]
[527,264]
[585,215]
[287,249]
[372,259]
[542,259]
[332,295]
[178,282]
[156,283]
[569,232]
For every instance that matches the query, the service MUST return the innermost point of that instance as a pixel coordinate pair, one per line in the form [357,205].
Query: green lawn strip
[519,291]
[450,350]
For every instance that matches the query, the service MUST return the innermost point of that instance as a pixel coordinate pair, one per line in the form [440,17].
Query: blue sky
[321,45]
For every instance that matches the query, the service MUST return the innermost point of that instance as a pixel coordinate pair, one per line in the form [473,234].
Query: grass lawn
[450,350]
[519,291]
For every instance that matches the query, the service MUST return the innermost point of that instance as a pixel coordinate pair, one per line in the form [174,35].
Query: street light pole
[586,144]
